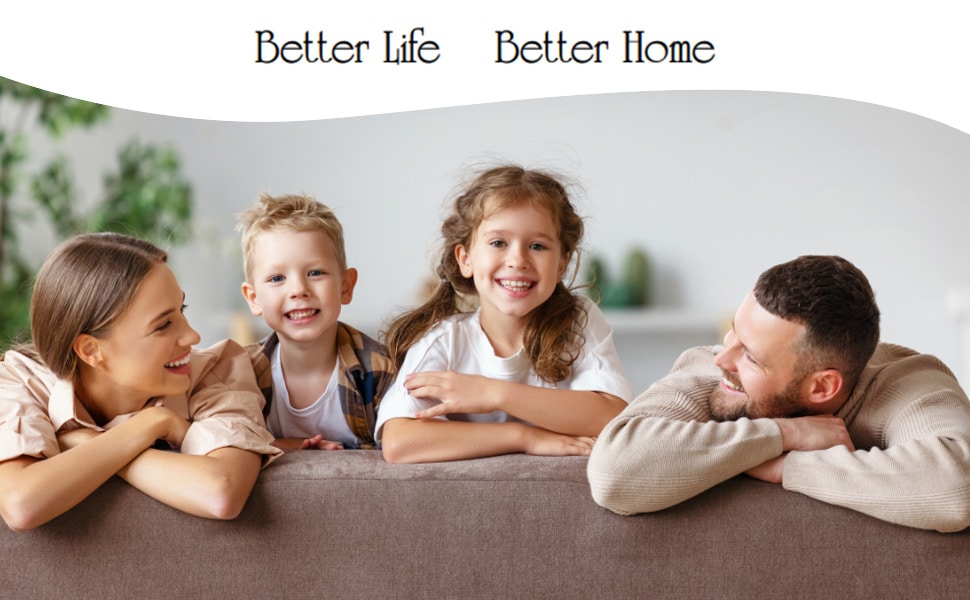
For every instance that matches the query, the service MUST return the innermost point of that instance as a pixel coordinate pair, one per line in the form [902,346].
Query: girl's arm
[34,491]
[407,440]
[570,412]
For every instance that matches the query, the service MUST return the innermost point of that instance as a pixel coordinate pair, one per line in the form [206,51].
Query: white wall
[715,186]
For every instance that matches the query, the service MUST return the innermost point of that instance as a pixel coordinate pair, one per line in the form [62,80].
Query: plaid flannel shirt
[364,373]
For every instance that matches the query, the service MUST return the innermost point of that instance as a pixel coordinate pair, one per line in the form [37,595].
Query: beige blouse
[223,405]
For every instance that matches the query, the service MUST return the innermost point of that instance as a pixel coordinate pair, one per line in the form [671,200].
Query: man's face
[758,365]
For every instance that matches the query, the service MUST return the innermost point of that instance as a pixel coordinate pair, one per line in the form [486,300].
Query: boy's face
[297,284]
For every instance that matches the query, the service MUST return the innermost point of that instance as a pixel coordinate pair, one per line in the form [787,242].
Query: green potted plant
[145,196]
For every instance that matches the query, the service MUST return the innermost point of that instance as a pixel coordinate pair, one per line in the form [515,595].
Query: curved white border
[197,59]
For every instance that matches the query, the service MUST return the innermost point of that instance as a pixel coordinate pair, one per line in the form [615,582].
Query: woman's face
[146,353]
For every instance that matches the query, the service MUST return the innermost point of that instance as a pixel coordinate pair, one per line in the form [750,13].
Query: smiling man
[803,394]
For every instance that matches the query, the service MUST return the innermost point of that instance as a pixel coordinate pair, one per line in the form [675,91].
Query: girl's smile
[517,285]
[515,259]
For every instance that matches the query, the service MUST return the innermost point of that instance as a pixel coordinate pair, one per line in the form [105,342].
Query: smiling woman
[111,372]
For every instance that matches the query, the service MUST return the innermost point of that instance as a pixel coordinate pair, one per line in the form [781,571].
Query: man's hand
[770,470]
[815,432]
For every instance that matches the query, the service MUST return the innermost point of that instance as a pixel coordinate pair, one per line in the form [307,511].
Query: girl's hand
[457,392]
[542,442]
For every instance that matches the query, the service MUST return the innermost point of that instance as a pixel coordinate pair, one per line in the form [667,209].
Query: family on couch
[505,357]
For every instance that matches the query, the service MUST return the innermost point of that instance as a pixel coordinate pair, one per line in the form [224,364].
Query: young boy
[323,380]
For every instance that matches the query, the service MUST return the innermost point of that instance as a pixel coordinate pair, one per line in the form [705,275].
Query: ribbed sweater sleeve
[910,421]
[664,448]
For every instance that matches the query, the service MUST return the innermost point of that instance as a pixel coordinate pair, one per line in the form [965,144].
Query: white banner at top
[301,60]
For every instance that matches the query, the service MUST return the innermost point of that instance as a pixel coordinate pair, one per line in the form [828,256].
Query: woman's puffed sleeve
[25,426]
[225,405]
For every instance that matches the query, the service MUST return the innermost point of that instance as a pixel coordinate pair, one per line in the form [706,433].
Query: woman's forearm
[34,491]
[214,486]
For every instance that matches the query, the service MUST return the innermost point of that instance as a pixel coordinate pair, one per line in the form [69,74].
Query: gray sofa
[348,525]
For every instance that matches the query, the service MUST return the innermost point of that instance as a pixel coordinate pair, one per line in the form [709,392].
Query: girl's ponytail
[554,337]
[409,327]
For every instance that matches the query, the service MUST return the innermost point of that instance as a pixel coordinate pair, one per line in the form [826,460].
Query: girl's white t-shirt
[458,344]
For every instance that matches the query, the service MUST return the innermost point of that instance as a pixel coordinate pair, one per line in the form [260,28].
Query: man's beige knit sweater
[907,416]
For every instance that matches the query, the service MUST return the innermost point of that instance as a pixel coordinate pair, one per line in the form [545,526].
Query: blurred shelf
[662,320]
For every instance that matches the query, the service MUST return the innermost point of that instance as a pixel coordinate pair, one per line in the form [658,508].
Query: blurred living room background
[706,188]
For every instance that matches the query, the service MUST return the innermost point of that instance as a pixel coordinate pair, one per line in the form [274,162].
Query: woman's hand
[457,392]
[166,424]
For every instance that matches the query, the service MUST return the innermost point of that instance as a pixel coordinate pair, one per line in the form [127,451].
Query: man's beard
[729,407]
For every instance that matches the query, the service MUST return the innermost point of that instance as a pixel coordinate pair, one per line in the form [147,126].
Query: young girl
[533,369]
[110,373]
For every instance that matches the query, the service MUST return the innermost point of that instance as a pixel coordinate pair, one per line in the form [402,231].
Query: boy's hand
[314,443]
[457,392]
[318,443]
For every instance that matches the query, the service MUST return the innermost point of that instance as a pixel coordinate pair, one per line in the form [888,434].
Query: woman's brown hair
[553,337]
[82,287]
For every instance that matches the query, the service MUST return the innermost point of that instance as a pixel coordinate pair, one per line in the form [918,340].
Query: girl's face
[515,259]
[146,353]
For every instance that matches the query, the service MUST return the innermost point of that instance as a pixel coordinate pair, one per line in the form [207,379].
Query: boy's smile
[297,284]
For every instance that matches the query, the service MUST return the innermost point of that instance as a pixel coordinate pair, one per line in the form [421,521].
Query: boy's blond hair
[292,212]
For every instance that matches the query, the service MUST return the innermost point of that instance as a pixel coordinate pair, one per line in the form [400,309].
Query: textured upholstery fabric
[347,524]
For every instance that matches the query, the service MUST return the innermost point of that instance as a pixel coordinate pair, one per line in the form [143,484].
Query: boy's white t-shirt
[324,417]
[458,344]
